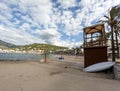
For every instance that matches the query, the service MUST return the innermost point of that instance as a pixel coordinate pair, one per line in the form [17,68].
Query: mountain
[37,46]
[34,46]
[4,44]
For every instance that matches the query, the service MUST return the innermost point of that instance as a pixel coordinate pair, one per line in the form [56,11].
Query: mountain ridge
[4,44]
[35,46]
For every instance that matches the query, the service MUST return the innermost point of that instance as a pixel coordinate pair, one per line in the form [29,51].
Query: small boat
[60,57]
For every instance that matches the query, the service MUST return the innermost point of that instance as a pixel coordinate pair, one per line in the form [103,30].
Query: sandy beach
[55,75]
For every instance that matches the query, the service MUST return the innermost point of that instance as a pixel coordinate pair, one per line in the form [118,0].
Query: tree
[113,20]
[115,17]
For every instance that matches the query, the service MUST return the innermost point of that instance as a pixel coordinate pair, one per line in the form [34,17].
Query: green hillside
[35,46]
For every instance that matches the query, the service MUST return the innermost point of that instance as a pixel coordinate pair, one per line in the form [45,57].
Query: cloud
[5,11]
[46,21]
[25,26]
[18,37]
[67,3]
[48,35]
[38,10]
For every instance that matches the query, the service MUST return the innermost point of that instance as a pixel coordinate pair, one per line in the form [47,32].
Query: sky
[56,22]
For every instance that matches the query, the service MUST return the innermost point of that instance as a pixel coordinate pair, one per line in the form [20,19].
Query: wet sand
[55,75]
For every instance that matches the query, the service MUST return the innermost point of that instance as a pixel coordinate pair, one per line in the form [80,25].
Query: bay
[21,56]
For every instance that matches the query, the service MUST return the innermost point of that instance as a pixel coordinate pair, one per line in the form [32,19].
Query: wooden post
[45,57]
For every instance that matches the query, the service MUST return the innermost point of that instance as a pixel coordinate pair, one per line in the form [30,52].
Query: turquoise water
[21,56]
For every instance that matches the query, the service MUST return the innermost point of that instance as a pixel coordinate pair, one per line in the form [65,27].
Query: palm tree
[113,20]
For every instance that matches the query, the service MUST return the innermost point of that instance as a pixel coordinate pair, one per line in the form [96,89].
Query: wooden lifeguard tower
[95,48]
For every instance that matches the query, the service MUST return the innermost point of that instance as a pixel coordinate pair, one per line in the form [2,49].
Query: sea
[22,56]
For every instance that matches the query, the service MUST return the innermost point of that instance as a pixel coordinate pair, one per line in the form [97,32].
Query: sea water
[21,56]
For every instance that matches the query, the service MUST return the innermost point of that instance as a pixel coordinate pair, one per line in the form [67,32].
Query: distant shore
[21,52]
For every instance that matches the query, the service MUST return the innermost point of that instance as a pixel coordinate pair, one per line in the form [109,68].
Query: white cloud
[48,34]
[25,26]
[5,14]
[3,7]
[17,36]
[5,11]
[94,9]
[68,43]
[67,3]
[52,36]
[16,21]
[2,18]
[36,13]
[39,10]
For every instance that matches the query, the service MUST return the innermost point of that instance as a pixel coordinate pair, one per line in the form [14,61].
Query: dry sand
[55,75]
